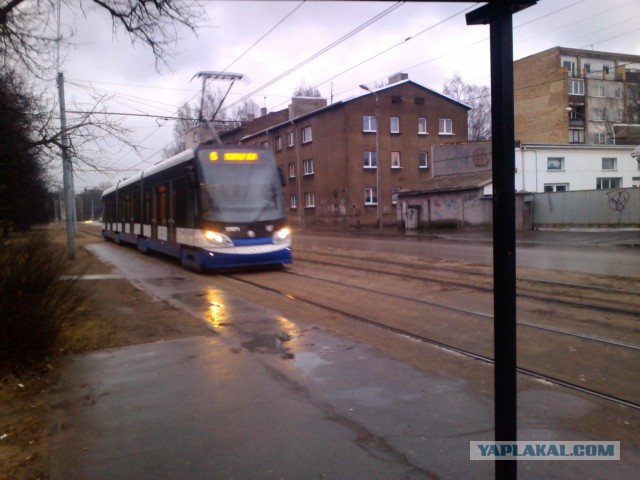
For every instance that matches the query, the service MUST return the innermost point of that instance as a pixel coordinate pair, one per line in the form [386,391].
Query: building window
[394,194]
[293,201]
[556,187]
[446,126]
[423,160]
[605,69]
[609,163]
[195,137]
[576,136]
[395,160]
[570,66]
[395,124]
[265,145]
[278,144]
[306,135]
[608,183]
[600,138]
[422,126]
[292,170]
[309,199]
[555,164]
[291,139]
[370,197]
[369,123]
[308,166]
[618,92]
[370,160]
[601,91]
[576,87]
[587,68]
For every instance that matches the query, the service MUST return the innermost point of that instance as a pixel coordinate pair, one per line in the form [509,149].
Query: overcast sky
[429,41]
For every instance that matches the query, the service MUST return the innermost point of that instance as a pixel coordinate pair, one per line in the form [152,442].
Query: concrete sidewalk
[268,397]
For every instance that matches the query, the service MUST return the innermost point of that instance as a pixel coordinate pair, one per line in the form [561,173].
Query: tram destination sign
[215,156]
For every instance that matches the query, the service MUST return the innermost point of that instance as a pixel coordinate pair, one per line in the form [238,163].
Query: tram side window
[182,204]
[109,211]
[128,210]
[136,206]
[147,213]
[162,201]
[120,209]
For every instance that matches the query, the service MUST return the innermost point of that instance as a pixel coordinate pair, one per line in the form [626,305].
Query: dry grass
[114,314]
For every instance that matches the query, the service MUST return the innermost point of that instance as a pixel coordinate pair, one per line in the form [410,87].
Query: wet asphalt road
[273,397]
[603,251]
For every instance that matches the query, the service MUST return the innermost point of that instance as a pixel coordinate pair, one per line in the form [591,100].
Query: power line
[345,37]
[396,45]
[265,35]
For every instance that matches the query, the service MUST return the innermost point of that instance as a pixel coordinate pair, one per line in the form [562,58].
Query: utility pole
[67,173]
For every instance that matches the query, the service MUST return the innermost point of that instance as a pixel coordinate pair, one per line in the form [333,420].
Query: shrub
[34,300]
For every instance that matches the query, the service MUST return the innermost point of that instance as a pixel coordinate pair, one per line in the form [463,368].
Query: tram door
[162,212]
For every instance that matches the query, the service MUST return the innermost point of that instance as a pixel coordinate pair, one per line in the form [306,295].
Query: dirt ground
[115,314]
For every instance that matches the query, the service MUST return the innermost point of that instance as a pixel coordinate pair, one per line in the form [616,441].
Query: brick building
[566,95]
[329,154]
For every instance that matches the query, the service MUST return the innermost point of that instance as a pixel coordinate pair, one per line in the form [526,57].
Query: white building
[559,168]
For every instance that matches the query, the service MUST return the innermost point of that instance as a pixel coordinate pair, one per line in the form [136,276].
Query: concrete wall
[594,208]
[464,209]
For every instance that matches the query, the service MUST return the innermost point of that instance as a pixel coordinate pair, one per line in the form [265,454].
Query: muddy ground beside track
[114,314]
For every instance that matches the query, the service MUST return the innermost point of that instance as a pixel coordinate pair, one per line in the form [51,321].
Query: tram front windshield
[238,192]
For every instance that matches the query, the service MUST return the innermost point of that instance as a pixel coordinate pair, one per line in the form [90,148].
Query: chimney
[398,77]
[263,111]
[303,105]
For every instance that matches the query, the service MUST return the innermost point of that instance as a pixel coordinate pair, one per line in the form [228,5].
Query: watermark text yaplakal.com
[544,450]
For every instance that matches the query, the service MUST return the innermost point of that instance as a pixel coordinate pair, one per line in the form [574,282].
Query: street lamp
[378,195]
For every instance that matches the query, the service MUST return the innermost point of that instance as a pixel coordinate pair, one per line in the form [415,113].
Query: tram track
[485,288]
[434,342]
[468,312]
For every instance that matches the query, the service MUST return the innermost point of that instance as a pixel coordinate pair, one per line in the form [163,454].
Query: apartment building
[335,156]
[566,95]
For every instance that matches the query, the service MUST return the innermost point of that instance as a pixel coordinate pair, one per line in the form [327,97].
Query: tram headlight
[218,239]
[282,235]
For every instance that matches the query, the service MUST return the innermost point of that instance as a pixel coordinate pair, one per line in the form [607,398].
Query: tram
[212,207]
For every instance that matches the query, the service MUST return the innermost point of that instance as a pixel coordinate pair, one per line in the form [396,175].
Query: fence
[587,208]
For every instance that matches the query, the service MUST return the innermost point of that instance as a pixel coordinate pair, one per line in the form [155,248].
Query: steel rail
[444,346]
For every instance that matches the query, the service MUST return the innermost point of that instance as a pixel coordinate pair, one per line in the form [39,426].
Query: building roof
[577,52]
[345,102]
[449,183]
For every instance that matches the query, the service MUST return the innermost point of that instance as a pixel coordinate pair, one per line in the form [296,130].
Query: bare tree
[479,99]
[304,90]
[245,110]
[28,41]
[28,36]
[187,118]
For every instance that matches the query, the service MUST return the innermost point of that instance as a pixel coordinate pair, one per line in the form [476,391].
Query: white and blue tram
[213,207]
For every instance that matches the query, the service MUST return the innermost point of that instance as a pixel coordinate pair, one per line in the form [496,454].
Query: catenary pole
[67,174]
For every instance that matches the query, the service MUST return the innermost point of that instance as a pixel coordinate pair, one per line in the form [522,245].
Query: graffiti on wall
[618,200]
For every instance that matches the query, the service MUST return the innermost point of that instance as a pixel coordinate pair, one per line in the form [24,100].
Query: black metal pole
[504,239]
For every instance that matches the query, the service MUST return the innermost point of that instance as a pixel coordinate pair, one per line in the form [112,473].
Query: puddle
[307,362]
[269,343]
[98,276]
